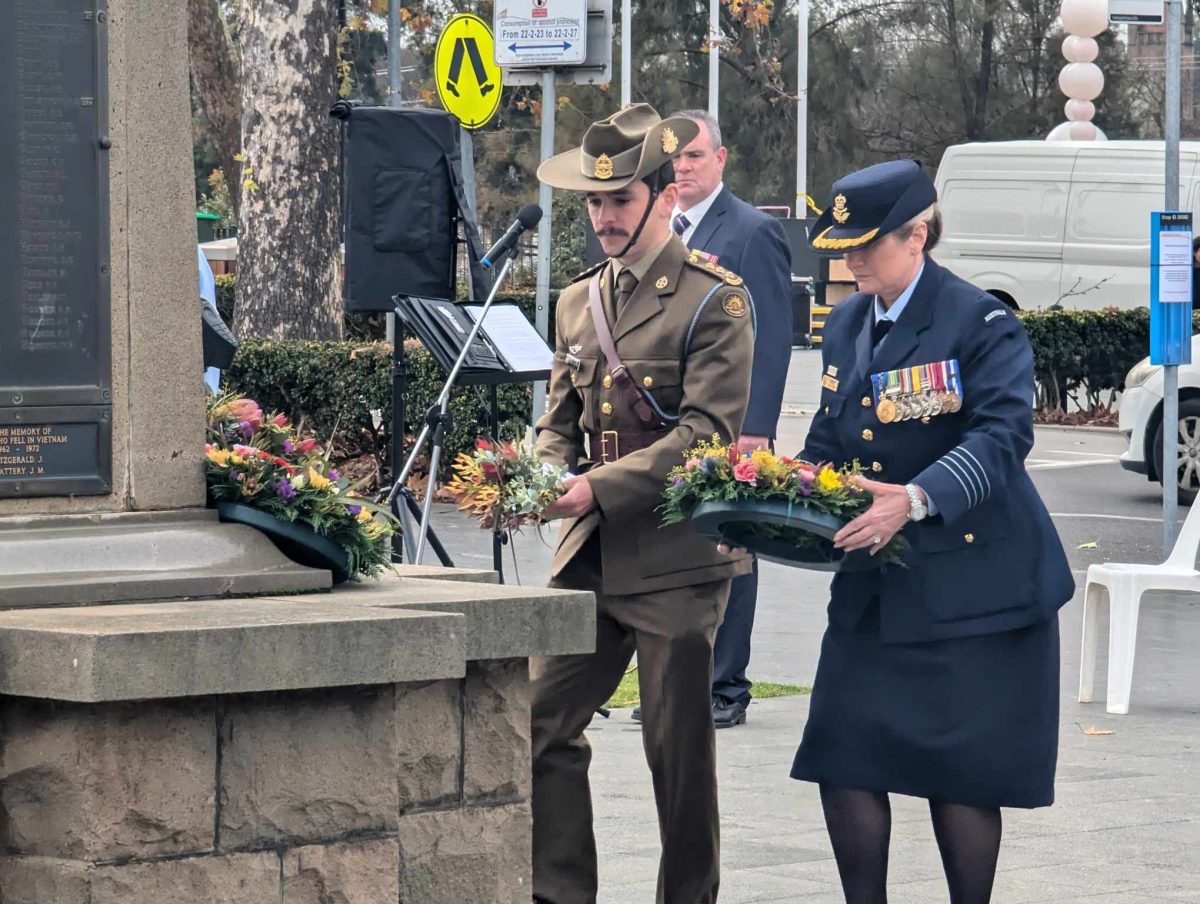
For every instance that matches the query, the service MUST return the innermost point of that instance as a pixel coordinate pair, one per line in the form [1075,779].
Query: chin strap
[654,193]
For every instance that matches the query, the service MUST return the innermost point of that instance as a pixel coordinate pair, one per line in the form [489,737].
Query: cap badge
[669,141]
[841,213]
[604,167]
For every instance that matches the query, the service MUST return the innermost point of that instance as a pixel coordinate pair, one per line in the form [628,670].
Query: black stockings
[860,826]
[969,840]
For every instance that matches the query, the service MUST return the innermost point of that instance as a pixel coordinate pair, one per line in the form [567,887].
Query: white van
[1040,222]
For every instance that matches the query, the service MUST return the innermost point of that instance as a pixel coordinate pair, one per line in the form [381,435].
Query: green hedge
[333,388]
[1082,356]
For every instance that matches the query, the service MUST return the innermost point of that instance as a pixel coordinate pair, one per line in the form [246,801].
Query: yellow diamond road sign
[468,79]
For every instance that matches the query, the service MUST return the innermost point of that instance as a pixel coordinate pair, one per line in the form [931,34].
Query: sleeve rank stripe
[983,473]
[968,471]
[955,474]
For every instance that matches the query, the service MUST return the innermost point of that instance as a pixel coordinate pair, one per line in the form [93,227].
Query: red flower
[279,420]
[490,470]
[746,471]
[306,446]
[482,445]
[733,455]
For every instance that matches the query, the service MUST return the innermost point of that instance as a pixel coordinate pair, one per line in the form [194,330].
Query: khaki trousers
[672,632]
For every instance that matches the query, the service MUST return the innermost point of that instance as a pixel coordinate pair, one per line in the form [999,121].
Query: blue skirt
[972,720]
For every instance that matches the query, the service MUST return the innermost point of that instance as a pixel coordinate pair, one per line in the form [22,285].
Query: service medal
[955,402]
[886,411]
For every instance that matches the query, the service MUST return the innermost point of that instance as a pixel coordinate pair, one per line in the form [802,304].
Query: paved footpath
[1126,825]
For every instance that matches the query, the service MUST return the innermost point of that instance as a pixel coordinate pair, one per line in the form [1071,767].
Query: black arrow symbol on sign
[469,47]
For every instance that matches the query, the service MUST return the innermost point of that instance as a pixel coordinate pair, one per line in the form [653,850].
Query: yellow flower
[235,459]
[218,456]
[364,515]
[828,480]
[317,480]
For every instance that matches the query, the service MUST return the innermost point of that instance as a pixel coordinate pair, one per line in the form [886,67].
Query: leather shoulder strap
[620,375]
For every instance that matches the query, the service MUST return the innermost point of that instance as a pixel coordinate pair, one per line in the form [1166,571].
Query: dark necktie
[881,328]
[680,224]
[626,283]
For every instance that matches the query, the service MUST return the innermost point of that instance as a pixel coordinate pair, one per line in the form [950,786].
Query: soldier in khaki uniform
[679,336]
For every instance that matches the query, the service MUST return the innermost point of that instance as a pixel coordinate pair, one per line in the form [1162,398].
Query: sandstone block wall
[404,794]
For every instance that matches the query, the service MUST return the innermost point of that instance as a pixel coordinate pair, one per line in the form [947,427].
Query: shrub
[342,391]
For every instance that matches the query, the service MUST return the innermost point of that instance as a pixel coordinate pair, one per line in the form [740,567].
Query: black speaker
[405,201]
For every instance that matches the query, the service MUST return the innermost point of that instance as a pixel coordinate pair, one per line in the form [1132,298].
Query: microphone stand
[437,422]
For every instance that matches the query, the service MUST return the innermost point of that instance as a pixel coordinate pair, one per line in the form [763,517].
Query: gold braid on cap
[842,244]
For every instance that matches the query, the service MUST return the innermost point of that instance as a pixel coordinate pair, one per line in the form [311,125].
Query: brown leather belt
[611,445]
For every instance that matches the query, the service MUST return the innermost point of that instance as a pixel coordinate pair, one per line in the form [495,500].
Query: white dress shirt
[695,214]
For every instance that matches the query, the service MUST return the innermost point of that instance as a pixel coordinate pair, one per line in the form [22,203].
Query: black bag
[220,345]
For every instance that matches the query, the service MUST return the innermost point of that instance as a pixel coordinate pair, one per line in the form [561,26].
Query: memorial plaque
[55,348]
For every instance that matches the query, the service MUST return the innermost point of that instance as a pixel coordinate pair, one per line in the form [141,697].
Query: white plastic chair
[1121,585]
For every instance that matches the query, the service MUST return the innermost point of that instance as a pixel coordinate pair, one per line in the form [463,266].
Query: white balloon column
[1081,79]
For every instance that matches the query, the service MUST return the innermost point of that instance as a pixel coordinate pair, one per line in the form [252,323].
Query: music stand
[455,336]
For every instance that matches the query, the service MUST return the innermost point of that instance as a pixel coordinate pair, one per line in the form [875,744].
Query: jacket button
[827,409]
[574,379]
[607,381]
[647,382]
[606,409]
[970,538]
[866,402]
[876,467]
[868,435]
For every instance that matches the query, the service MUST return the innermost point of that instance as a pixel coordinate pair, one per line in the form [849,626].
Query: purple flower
[285,490]
[354,510]
[288,447]
[334,475]
[247,429]
[677,481]
[805,488]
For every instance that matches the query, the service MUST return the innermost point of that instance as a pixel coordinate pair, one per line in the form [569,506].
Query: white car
[1141,417]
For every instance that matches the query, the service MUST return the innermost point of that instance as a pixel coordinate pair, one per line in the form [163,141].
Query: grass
[627,692]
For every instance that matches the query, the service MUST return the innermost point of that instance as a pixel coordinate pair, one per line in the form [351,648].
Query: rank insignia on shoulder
[662,283]
[731,278]
[703,257]
[590,271]
[735,305]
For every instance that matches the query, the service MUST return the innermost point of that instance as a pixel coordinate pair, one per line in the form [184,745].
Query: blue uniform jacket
[990,560]
[752,245]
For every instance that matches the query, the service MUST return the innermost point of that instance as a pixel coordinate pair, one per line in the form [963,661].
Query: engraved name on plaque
[55,345]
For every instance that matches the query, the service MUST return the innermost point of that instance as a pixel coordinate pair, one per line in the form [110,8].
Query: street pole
[802,110]
[546,200]
[394,86]
[1170,457]
[626,52]
[714,57]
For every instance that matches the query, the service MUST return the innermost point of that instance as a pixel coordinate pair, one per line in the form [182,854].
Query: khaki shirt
[680,303]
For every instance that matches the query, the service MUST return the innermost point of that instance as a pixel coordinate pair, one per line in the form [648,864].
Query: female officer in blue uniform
[937,679]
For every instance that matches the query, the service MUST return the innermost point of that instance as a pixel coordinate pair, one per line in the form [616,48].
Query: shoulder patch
[999,312]
[589,271]
[735,305]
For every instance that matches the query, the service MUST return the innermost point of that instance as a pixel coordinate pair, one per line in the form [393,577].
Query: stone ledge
[129,652]
[437,573]
[503,621]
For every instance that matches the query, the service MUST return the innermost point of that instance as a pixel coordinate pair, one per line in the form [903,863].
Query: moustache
[619,233]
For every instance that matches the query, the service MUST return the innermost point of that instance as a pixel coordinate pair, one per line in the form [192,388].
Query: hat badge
[604,167]
[841,213]
[670,141]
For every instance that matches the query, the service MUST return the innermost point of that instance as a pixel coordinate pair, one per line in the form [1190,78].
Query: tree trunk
[977,126]
[290,233]
[215,80]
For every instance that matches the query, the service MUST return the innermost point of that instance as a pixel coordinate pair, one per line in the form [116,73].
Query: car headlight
[1140,373]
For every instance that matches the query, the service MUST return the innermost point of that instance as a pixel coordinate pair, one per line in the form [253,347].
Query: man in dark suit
[709,218]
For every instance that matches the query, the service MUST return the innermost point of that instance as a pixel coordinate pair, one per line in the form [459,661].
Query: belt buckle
[605,455]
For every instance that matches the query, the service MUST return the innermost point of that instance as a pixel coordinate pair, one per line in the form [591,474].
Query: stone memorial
[186,715]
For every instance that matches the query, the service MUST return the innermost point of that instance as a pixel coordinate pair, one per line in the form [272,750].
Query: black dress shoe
[727,714]
[636,715]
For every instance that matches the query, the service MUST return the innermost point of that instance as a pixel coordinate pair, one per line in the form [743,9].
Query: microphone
[528,218]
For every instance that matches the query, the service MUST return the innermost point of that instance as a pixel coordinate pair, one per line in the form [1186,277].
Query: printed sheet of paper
[1175,267]
[514,337]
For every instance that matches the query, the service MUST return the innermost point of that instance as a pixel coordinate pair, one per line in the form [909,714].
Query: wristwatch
[917,510]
